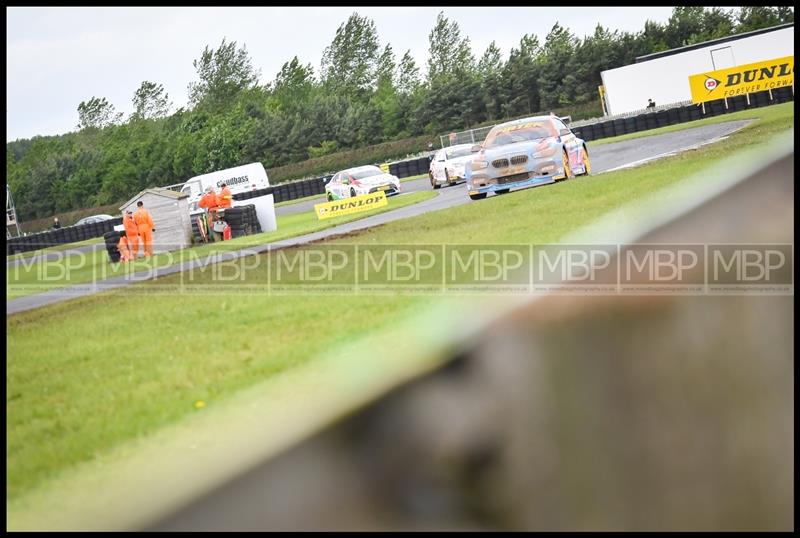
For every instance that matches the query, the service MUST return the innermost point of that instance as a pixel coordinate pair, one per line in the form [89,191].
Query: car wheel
[568,174]
[586,163]
[503,191]
[352,192]
[479,196]
[434,184]
[330,197]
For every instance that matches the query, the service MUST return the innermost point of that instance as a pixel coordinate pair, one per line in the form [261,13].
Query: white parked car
[447,165]
[361,180]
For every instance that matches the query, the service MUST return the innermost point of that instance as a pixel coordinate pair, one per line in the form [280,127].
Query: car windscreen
[367,172]
[511,134]
[459,152]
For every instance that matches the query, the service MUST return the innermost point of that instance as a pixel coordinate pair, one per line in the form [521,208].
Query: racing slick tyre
[503,191]
[330,197]
[587,164]
[435,185]
[568,173]
[479,196]
[352,193]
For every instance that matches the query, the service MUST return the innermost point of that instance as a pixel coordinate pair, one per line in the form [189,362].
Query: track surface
[604,158]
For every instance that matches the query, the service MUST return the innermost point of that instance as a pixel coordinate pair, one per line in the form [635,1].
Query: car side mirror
[476,148]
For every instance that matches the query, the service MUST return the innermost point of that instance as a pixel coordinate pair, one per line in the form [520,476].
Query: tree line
[364,93]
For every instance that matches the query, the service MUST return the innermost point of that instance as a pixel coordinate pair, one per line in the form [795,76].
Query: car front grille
[500,163]
[512,178]
[386,188]
[519,159]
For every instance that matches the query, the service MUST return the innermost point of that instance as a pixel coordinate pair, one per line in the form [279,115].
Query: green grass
[37,277]
[414,178]
[90,376]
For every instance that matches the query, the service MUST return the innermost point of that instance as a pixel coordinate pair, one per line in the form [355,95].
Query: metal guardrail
[176,187]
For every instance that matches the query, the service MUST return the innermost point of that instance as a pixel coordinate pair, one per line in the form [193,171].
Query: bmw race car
[361,180]
[448,165]
[524,153]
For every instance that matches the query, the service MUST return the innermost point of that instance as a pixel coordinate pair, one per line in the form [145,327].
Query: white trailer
[248,177]
[664,76]
[239,179]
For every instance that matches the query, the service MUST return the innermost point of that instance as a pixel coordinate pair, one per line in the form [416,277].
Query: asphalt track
[604,158]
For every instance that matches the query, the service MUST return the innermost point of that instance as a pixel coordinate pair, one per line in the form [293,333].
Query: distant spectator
[651,103]
[430,146]
[56,224]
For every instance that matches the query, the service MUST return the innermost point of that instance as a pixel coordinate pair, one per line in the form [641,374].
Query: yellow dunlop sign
[346,206]
[742,79]
[385,168]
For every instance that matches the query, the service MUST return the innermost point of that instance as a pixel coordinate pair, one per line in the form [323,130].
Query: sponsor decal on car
[519,126]
[349,206]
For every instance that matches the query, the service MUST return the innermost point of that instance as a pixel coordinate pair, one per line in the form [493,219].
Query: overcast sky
[58,57]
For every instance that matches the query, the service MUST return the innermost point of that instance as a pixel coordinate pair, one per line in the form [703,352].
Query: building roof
[687,48]
[158,192]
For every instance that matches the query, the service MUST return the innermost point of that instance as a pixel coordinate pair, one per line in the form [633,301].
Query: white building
[170,212]
[664,76]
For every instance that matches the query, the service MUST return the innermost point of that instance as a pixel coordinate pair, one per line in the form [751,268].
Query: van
[245,178]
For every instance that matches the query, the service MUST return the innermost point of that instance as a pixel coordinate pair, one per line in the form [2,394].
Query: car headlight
[479,165]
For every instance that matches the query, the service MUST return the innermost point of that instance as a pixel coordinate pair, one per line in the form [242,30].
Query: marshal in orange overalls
[123,249]
[132,234]
[224,198]
[144,223]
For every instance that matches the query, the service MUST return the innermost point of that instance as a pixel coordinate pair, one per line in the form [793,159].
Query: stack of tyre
[251,220]
[112,238]
[242,220]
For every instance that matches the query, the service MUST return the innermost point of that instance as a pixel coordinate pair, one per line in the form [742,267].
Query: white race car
[447,166]
[361,180]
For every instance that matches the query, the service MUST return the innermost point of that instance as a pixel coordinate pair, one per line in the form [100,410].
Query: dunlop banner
[347,206]
[385,168]
[742,79]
